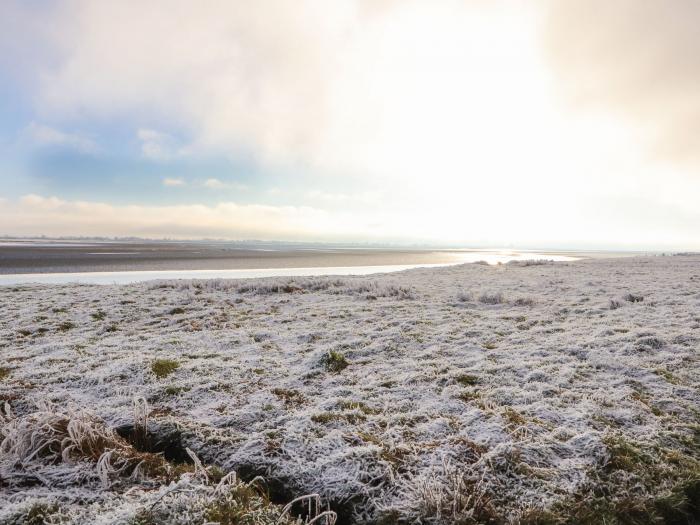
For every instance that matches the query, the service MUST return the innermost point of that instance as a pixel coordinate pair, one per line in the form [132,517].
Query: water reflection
[126,277]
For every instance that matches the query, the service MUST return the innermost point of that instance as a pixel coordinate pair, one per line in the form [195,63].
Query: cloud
[340,198]
[46,136]
[214,184]
[641,223]
[637,60]
[155,145]
[241,76]
[352,88]
[217,184]
[167,181]
[34,214]
[357,89]
[470,120]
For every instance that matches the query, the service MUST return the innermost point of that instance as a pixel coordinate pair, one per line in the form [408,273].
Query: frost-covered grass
[73,456]
[535,393]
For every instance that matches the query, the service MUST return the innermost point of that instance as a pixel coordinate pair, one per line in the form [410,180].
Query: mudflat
[21,258]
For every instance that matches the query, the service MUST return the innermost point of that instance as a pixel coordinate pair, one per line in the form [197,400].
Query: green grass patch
[65,326]
[328,417]
[164,367]
[467,379]
[623,454]
[38,514]
[244,504]
[668,376]
[334,361]
[176,390]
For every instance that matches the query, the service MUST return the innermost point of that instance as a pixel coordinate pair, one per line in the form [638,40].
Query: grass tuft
[175,390]
[39,514]
[334,361]
[524,301]
[667,375]
[65,326]
[514,417]
[467,379]
[492,298]
[164,367]
[290,397]
[623,454]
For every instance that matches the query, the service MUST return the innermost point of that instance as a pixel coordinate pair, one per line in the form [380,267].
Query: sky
[542,123]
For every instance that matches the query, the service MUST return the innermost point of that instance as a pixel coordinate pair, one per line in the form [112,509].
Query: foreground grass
[467,395]
[48,441]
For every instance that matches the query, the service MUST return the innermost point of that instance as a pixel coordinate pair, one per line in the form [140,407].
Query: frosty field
[528,392]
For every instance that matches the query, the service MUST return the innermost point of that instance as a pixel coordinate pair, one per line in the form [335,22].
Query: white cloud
[214,184]
[357,88]
[411,93]
[340,198]
[155,145]
[241,75]
[353,88]
[167,181]
[43,135]
[217,184]
[643,225]
[34,214]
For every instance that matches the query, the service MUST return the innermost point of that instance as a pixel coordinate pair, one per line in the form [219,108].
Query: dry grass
[51,436]
[44,440]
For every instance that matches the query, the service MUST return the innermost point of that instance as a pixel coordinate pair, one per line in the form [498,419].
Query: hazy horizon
[537,125]
[331,244]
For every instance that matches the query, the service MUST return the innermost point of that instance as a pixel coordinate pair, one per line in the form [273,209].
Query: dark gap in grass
[163,440]
[281,491]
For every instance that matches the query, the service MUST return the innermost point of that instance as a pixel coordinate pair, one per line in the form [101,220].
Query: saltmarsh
[467,394]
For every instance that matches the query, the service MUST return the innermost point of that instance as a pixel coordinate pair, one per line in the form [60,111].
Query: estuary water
[128,262]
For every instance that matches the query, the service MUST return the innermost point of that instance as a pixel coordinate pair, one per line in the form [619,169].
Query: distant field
[530,392]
